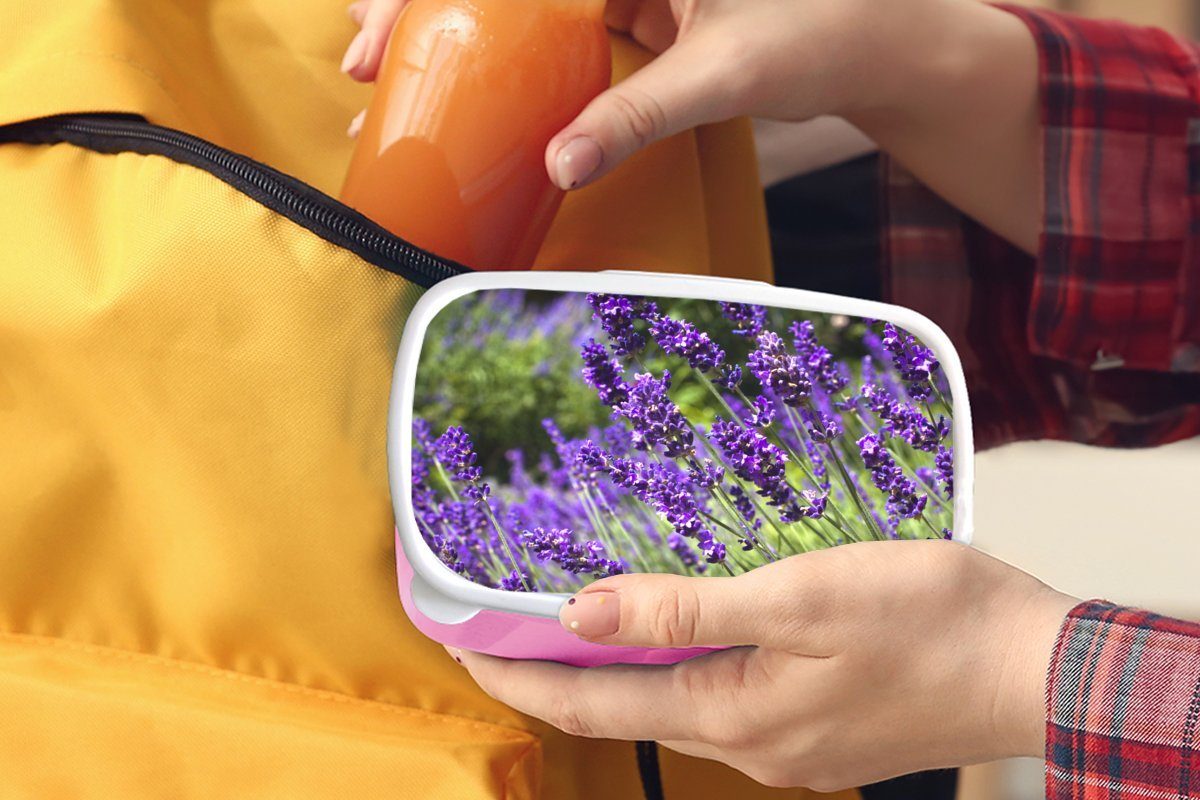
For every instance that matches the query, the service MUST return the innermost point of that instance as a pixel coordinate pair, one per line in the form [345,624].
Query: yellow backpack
[197,593]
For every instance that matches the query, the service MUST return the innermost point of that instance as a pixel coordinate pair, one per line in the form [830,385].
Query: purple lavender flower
[876,398]
[915,362]
[672,497]
[753,458]
[567,454]
[761,413]
[878,460]
[467,520]
[904,420]
[875,366]
[455,452]
[603,374]
[888,523]
[846,402]
[822,427]
[819,470]
[655,418]
[517,476]
[515,581]
[745,509]
[715,554]
[682,548]
[558,545]
[887,476]
[744,506]
[818,361]
[422,435]
[617,315]
[542,507]
[617,439]
[817,502]
[904,500]
[748,319]
[729,377]
[781,373]
[558,314]
[685,340]
[558,477]
[944,463]
[927,477]
[706,475]
[592,459]
[424,498]
[464,539]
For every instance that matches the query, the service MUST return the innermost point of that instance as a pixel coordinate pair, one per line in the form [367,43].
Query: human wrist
[1019,714]
[927,60]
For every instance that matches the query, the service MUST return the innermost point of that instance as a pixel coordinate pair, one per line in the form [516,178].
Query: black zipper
[318,212]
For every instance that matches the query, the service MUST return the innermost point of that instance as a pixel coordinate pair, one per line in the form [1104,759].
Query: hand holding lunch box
[551,429]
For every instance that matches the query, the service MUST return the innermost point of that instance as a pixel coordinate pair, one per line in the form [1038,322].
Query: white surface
[1117,524]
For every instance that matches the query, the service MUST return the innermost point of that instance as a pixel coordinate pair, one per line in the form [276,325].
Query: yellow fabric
[197,596]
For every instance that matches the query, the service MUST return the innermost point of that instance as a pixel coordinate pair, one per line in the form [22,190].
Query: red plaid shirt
[1095,340]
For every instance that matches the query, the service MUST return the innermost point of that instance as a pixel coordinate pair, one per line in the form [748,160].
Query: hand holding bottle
[947,87]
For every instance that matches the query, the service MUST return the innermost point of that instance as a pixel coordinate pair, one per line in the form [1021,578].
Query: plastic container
[457,608]
[452,150]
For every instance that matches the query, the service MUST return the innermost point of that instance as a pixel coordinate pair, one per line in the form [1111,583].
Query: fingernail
[577,161]
[592,615]
[356,11]
[356,125]
[356,52]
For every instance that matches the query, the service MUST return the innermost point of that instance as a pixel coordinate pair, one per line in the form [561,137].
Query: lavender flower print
[761,413]
[680,436]
[578,558]
[603,373]
[887,476]
[818,361]
[618,315]
[780,372]
[454,451]
[654,418]
[944,464]
[753,458]
[748,320]
[685,340]
[915,362]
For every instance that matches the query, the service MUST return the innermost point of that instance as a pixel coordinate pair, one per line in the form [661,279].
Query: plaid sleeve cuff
[1121,167]
[1124,707]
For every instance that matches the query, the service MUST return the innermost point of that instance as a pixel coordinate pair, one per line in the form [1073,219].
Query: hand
[375,19]
[849,665]
[948,88]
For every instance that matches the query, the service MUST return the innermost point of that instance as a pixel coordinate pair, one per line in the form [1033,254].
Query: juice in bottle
[451,155]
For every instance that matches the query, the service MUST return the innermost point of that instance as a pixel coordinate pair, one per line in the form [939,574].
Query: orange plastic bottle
[452,150]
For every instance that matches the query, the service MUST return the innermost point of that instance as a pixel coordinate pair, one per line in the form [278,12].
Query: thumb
[678,90]
[667,611]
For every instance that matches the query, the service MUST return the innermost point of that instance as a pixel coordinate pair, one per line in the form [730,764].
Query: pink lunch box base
[499,633]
